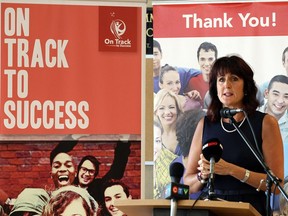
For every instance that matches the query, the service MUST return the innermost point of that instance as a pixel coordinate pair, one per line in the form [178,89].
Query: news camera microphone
[176,171]
[228,113]
[176,191]
[212,151]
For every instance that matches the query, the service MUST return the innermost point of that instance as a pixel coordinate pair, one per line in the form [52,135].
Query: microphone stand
[211,192]
[173,208]
[271,177]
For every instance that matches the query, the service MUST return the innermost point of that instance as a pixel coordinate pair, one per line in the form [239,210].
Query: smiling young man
[207,53]
[277,103]
[114,190]
[88,169]
[63,169]
[277,96]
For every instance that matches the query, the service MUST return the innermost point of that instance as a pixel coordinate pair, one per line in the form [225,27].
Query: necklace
[231,131]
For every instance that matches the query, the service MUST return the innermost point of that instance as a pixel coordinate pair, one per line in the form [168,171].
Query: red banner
[221,19]
[55,77]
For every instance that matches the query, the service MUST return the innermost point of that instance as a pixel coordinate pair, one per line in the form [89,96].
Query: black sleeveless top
[237,152]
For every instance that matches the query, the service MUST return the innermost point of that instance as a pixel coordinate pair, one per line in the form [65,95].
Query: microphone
[176,171]
[228,113]
[212,148]
[176,191]
[212,151]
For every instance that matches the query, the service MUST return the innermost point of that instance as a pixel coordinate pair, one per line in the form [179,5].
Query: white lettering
[216,22]
[16,22]
[48,115]
[37,57]
[251,21]
[26,58]
[10,74]
[22,84]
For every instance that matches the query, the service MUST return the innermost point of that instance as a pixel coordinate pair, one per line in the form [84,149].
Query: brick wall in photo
[27,164]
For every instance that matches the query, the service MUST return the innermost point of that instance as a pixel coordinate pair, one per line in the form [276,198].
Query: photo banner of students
[71,69]
[256,31]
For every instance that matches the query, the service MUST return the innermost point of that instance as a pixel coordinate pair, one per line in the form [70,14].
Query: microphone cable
[254,136]
[204,191]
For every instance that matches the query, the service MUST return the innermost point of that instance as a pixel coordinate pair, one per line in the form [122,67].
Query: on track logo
[117,31]
[118,28]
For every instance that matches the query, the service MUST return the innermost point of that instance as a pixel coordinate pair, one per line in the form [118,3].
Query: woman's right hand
[204,167]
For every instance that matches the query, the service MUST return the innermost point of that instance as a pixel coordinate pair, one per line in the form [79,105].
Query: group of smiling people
[77,191]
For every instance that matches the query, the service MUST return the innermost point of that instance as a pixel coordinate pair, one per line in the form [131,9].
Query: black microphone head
[226,112]
[212,148]
[176,171]
[223,111]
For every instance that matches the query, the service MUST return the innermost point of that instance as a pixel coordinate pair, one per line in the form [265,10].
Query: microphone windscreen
[176,171]
[223,112]
[212,148]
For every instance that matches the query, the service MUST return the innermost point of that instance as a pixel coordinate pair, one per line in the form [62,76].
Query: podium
[161,207]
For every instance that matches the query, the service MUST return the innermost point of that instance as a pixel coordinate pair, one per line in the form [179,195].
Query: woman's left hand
[222,167]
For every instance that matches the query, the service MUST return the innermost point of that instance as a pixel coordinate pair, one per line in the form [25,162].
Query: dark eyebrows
[56,163]
[59,163]
[275,91]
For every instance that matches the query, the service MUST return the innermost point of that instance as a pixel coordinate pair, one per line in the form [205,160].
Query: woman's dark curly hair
[185,128]
[237,66]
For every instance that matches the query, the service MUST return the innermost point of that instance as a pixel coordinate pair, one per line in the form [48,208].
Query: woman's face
[230,90]
[171,81]
[167,111]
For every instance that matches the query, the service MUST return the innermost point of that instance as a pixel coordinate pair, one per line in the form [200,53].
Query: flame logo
[118,28]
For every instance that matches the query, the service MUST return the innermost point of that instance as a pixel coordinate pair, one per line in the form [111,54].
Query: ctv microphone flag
[176,191]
